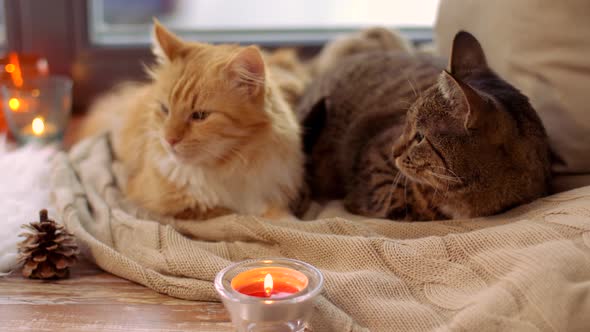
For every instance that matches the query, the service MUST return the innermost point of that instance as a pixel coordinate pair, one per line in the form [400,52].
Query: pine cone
[48,250]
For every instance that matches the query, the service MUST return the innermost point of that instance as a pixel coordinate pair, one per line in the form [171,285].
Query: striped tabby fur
[396,136]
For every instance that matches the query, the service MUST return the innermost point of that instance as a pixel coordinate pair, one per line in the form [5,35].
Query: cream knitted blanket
[525,270]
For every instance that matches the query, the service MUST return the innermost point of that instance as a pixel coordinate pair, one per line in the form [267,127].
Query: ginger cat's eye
[200,116]
[164,109]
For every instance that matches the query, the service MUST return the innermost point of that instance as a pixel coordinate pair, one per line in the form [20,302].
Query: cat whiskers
[226,156]
[152,134]
[445,177]
[443,195]
[435,188]
[416,92]
[406,196]
[397,177]
[193,147]
[412,86]
[406,103]
[239,155]
[393,186]
[455,178]
[156,137]
[449,171]
[448,181]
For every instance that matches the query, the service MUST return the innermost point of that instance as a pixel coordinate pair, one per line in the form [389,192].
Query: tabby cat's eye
[418,137]
[164,109]
[200,116]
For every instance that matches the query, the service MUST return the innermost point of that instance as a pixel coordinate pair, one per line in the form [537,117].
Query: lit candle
[14,69]
[39,128]
[269,294]
[36,106]
[270,282]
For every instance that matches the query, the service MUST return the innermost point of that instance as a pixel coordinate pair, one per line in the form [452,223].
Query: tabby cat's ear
[466,104]
[467,56]
[246,70]
[166,46]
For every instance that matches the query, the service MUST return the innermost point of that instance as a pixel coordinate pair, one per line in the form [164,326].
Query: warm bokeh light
[17,75]
[9,68]
[268,284]
[38,125]
[14,104]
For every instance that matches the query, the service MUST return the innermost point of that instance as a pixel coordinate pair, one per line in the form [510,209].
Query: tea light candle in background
[39,110]
[269,294]
[15,70]
[40,128]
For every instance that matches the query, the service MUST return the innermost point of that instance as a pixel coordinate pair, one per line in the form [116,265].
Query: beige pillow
[543,48]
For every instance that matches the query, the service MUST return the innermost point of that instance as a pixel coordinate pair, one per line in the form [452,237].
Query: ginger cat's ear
[165,45]
[247,70]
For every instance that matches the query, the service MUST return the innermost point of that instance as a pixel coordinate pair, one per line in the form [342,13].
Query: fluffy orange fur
[211,133]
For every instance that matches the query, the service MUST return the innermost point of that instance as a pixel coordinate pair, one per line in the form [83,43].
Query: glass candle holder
[39,110]
[269,294]
[15,68]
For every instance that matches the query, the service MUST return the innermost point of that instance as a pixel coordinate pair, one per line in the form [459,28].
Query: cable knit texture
[525,270]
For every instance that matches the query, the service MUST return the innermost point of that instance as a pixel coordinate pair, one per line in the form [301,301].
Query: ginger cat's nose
[172,140]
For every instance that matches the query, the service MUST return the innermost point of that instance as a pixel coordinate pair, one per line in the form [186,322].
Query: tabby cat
[397,136]
[211,133]
[371,39]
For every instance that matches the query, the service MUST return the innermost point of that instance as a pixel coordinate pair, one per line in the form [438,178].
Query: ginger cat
[211,133]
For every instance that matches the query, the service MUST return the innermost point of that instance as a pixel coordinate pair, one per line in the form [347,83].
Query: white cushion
[543,48]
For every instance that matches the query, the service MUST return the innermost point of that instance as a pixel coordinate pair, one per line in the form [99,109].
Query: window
[2,25]
[259,21]
[101,42]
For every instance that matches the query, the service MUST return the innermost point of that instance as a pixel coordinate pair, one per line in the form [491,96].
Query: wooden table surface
[93,300]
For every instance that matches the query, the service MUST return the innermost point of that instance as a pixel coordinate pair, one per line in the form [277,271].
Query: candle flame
[15,73]
[14,104]
[268,284]
[38,125]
